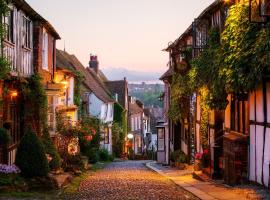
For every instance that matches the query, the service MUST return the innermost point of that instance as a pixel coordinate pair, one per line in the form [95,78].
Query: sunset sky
[126,34]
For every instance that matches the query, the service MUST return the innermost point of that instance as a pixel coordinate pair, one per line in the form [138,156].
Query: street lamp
[130,136]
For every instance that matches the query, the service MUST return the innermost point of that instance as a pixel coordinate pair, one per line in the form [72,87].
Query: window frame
[8,22]
[26,32]
[45,50]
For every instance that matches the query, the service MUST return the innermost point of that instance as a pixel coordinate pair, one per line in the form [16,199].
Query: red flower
[88,137]
[205,151]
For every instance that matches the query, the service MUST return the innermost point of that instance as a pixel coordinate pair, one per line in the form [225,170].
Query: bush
[93,155]
[72,162]
[50,149]
[178,156]
[30,157]
[4,137]
[104,155]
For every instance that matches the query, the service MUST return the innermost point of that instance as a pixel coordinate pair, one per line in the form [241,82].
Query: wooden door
[13,123]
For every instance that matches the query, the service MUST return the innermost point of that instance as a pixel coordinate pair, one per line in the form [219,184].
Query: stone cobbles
[129,180]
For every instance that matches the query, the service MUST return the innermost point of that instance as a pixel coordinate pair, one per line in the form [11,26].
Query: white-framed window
[136,125]
[45,50]
[26,32]
[132,124]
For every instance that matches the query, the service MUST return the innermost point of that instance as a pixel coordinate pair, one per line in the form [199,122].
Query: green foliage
[246,51]
[4,64]
[36,99]
[92,154]
[178,156]
[180,94]
[119,129]
[72,162]
[206,72]
[104,155]
[30,157]
[118,140]
[77,90]
[51,150]
[90,148]
[4,137]
[149,97]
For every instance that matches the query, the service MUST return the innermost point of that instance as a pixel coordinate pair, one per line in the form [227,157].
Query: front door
[12,122]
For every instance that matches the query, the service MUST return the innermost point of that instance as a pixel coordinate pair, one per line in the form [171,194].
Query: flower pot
[197,165]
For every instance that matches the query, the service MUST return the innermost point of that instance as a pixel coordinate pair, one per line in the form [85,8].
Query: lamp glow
[14,93]
[130,136]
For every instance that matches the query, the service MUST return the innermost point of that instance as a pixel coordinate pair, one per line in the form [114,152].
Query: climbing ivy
[35,99]
[246,51]
[79,78]
[180,94]
[4,64]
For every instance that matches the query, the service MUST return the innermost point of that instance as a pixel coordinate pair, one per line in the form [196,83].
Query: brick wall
[1,103]
[47,75]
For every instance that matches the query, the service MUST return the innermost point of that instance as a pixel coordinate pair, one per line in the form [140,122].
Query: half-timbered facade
[238,136]
[23,48]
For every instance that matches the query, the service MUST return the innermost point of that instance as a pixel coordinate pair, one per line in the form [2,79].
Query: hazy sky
[123,33]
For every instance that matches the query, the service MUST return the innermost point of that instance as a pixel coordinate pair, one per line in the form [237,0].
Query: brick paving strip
[202,189]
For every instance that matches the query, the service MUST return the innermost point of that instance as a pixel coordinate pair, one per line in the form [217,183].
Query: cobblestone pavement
[128,180]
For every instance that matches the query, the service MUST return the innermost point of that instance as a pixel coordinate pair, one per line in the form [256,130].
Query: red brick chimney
[93,63]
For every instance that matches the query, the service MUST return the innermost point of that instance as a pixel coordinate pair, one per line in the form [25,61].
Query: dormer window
[45,50]
[9,24]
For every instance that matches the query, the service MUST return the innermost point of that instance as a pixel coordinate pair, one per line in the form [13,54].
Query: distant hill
[147,93]
[131,75]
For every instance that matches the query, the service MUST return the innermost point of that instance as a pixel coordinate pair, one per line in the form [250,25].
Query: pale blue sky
[123,33]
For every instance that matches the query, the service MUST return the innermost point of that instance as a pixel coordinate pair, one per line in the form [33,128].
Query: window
[45,50]
[26,33]
[136,123]
[9,24]
[106,135]
[132,124]
[51,113]
[239,114]
[161,139]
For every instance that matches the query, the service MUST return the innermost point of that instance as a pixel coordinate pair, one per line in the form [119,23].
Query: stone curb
[191,189]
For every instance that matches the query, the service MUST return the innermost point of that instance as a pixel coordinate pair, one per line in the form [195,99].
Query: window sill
[9,43]
[26,48]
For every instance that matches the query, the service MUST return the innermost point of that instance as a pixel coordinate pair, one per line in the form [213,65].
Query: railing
[20,62]
[9,53]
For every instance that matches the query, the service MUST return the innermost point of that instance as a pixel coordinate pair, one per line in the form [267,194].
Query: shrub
[51,150]
[4,137]
[30,157]
[104,155]
[93,155]
[178,156]
[72,162]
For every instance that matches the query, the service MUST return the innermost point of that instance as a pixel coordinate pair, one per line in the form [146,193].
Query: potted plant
[181,160]
[198,162]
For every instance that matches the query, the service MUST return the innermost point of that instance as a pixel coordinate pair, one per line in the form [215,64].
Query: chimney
[93,63]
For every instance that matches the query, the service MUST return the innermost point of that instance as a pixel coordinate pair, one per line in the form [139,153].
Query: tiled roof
[90,79]
[134,108]
[23,5]
[118,87]
[168,73]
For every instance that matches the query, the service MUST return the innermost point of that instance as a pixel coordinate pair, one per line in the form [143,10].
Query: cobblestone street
[128,180]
